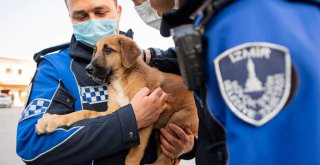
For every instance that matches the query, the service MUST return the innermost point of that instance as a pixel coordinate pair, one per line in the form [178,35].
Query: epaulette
[129,33]
[37,57]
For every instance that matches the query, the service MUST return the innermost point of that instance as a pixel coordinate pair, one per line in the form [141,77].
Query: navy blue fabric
[291,136]
[165,61]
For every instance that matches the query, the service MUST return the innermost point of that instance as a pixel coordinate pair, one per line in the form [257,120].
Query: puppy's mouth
[102,77]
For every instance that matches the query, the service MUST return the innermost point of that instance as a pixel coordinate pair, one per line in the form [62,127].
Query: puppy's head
[113,55]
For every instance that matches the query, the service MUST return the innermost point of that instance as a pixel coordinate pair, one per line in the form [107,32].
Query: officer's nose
[89,69]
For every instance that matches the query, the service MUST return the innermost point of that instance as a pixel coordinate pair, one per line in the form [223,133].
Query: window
[8,70]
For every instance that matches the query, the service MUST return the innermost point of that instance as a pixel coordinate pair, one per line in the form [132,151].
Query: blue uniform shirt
[252,48]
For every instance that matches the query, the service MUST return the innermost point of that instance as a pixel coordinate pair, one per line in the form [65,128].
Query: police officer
[61,86]
[151,11]
[262,77]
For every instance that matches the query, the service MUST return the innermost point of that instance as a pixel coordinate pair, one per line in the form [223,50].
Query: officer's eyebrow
[99,8]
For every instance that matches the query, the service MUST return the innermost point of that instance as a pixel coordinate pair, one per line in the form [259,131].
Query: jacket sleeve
[85,141]
[165,61]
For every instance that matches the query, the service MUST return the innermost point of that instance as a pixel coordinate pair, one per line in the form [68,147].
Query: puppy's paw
[48,124]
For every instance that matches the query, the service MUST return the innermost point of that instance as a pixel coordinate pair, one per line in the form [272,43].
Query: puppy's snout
[89,69]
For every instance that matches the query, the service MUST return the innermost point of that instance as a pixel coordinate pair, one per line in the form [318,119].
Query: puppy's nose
[89,69]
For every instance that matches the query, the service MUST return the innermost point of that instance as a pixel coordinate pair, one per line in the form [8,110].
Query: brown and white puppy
[117,58]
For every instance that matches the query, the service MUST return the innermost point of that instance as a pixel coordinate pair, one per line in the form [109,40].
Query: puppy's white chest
[120,96]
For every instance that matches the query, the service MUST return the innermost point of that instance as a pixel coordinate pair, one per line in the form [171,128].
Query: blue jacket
[263,80]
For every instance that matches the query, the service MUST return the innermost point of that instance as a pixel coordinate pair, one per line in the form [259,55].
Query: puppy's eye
[107,51]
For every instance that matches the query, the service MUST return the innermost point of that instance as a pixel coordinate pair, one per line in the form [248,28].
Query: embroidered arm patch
[255,80]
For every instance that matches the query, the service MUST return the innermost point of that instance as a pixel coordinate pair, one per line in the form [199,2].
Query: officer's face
[163,6]
[84,10]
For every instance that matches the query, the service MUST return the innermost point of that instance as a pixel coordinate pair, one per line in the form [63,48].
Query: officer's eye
[101,11]
[80,15]
[107,51]
[101,14]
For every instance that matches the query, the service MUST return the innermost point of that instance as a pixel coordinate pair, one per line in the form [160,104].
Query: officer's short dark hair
[115,1]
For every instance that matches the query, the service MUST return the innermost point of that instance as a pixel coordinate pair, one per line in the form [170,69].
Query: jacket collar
[80,50]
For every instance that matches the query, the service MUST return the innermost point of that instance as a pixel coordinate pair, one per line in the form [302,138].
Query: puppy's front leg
[137,151]
[49,123]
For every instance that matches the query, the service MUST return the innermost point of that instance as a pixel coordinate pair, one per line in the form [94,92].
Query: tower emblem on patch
[255,80]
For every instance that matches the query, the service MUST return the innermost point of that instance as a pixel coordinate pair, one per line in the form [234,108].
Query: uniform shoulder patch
[255,80]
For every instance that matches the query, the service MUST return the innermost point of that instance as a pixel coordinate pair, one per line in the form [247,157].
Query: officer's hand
[147,109]
[147,56]
[174,147]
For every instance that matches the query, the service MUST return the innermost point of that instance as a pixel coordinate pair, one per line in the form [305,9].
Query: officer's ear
[130,51]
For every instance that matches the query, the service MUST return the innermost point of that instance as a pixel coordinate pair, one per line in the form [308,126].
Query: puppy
[117,58]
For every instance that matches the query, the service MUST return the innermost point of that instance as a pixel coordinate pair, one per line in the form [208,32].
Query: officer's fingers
[170,138]
[179,131]
[188,131]
[163,97]
[142,92]
[166,153]
[157,93]
[167,145]
[164,107]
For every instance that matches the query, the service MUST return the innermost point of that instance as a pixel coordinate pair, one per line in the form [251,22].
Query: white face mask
[149,15]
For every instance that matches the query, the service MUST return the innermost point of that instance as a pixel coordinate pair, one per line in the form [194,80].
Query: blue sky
[28,26]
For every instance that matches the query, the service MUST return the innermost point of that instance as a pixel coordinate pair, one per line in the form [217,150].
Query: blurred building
[15,76]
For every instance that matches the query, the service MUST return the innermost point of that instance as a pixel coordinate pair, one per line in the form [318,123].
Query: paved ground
[8,124]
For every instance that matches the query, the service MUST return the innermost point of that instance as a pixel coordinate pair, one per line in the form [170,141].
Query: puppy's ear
[130,51]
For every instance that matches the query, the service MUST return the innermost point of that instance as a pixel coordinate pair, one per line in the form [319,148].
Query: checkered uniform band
[35,107]
[94,94]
